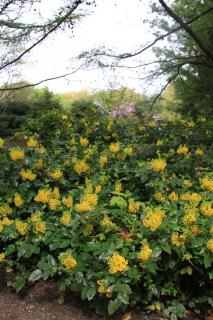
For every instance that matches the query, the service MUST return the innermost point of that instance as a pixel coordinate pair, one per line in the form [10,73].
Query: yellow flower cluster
[114,147]
[56,193]
[194,197]
[38,165]
[159,143]
[22,227]
[207,184]
[17,154]
[117,263]
[158,164]
[84,141]
[83,207]
[118,187]
[182,149]
[18,200]
[68,262]
[103,160]
[189,215]
[177,239]
[81,167]
[206,209]
[199,152]
[5,210]
[106,223]
[42,196]
[67,201]
[32,142]
[128,151]
[41,150]
[154,219]
[195,230]
[66,218]
[98,188]
[56,174]
[27,175]
[187,183]
[7,222]
[151,124]
[159,197]
[53,204]
[1,143]
[91,199]
[145,253]
[173,196]
[39,226]
[103,289]
[210,245]
[133,206]
[2,257]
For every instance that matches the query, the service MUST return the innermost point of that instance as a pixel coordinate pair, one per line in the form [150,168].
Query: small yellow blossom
[211,230]
[2,257]
[38,165]
[159,143]
[98,188]
[128,151]
[133,206]
[199,152]
[41,150]
[81,167]
[56,174]
[210,245]
[40,227]
[182,149]
[118,187]
[145,253]
[66,218]
[18,200]
[91,199]
[1,143]
[206,209]
[1,226]
[187,183]
[27,175]
[5,210]
[83,206]
[32,142]
[42,196]
[103,160]
[68,202]
[84,141]
[6,221]
[177,239]
[68,262]
[151,124]
[117,263]
[189,215]
[207,184]
[159,197]
[114,147]
[158,164]
[103,289]
[173,196]
[22,227]
[17,154]
[195,230]
[154,219]
[53,204]
[56,193]
[106,223]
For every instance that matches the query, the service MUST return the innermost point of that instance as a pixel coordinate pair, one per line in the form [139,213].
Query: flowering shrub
[123,217]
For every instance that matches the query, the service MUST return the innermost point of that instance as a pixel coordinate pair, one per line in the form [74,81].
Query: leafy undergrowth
[121,214]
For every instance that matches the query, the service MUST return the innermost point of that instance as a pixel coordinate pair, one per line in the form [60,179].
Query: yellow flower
[27,175]
[91,199]
[1,143]
[189,215]
[68,261]
[41,150]
[56,193]
[2,257]
[151,124]
[66,218]
[32,142]
[38,165]
[43,196]
[81,166]
[190,124]
[83,206]
[211,230]
[206,209]
[7,222]
[106,223]
[207,184]
[21,227]
[118,187]
[173,196]
[142,128]
[158,164]
[40,227]
[210,245]
[57,174]
[103,160]
[103,289]
[64,116]
[194,197]
[68,202]
[17,154]
[1,227]
[114,147]
[195,230]
[159,143]
[182,149]
[128,151]
[159,197]
[53,204]
[133,206]
[74,160]
[199,152]
[98,188]
[5,210]
[145,253]
[187,183]
[18,200]
[177,239]
[117,263]
[154,219]
[84,141]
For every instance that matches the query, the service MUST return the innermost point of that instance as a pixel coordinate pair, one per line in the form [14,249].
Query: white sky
[117,24]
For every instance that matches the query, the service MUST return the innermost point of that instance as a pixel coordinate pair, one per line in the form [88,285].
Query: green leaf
[207,261]
[79,276]
[113,306]
[118,201]
[19,284]
[91,293]
[35,275]
[10,249]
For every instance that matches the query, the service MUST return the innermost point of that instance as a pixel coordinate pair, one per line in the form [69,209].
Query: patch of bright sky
[116,24]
